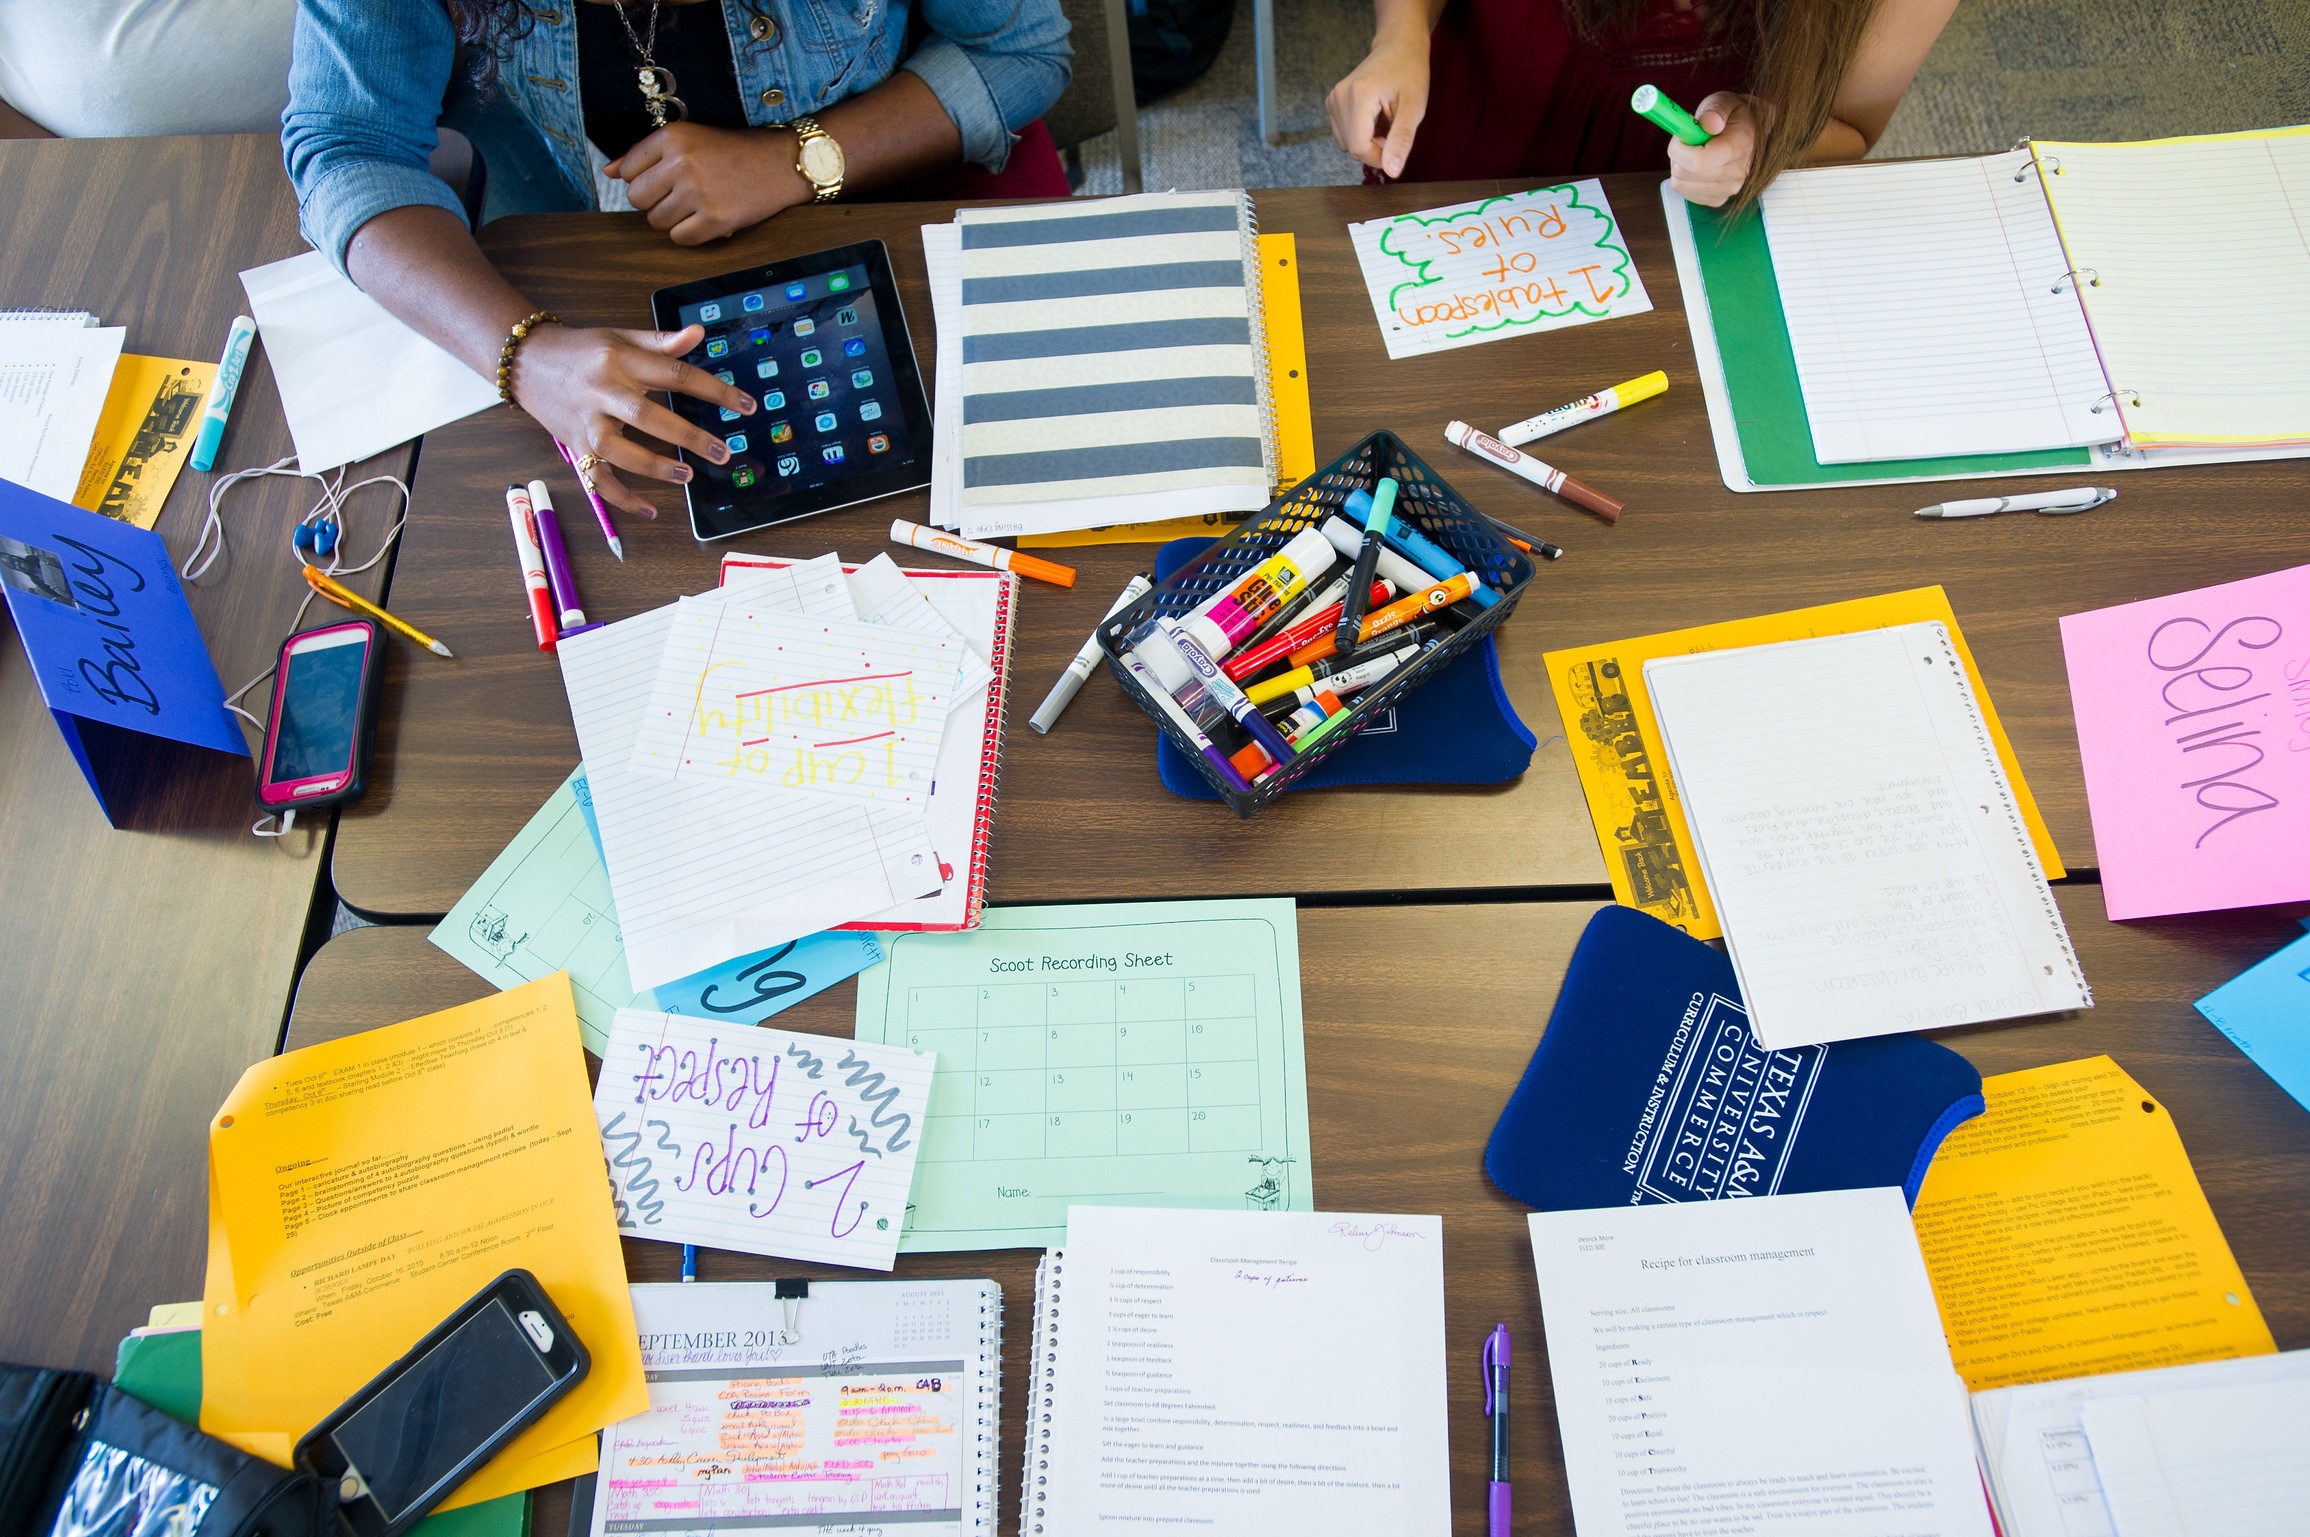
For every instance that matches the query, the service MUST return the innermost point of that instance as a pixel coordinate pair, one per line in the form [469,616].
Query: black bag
[1173,42]
[80,1458]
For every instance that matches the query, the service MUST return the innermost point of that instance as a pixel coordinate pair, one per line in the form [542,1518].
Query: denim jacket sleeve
[995,65]
[366,80]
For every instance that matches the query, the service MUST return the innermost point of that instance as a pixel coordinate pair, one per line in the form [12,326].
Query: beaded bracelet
[513,340]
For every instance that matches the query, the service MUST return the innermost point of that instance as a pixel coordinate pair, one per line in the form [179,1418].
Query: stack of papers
[54,372]
[762,757]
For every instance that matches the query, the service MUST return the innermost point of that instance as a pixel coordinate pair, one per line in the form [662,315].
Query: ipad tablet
[821,343]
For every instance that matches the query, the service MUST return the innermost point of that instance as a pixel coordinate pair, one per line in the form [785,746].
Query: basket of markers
[1238,656]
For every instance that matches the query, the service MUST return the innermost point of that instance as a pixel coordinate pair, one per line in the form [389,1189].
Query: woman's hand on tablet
[587,385]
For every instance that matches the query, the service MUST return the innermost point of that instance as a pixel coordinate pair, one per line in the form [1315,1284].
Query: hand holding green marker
[1649,104]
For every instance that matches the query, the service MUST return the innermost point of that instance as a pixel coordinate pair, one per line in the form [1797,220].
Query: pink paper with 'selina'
[2193,718]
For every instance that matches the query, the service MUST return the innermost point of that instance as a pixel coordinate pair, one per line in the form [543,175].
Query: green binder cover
[164,1370]
[1760,372]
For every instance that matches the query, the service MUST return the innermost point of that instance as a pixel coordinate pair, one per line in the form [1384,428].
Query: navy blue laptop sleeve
[1647,1086]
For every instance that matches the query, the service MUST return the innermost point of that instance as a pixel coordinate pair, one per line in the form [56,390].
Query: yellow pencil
[337,593]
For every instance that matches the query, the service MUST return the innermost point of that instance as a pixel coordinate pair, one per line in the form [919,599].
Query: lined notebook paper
[2233,1460]
[1923,308]
[758,1140]
[978,606]
[702,872]
[798,704]
[2204,269]
[1111,352]
[1857,831]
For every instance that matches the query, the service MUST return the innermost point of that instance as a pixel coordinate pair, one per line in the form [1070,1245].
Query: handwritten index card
[760,1140]
[757,695]
[1498,266]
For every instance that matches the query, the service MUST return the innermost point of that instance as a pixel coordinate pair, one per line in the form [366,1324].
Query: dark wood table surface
[470,749]
[1409,1137]
[145,966]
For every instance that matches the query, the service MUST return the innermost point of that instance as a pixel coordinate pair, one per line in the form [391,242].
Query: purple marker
[558,575]
[1186,723]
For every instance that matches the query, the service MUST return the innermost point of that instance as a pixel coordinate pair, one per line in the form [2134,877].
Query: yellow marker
[1587,408]
[1279,685]
[344,597]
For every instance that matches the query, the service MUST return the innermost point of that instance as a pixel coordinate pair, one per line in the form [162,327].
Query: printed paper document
[1125,1053]
[1244,1374]
[1740,1366]
[362,1189]
[53,381]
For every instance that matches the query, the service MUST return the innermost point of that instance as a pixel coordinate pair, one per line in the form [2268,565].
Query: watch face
[821,159]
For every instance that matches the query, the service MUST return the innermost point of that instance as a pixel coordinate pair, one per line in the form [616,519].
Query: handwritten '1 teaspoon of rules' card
[1497,267]
[759,1140]
[752,694]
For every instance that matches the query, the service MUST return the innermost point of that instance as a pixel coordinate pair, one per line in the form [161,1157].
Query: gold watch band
[805,130]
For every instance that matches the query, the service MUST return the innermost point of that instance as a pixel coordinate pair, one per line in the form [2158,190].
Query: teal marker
[220,401]
[1650,105]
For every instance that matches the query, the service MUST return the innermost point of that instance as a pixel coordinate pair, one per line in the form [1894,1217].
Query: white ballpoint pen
[2044,501]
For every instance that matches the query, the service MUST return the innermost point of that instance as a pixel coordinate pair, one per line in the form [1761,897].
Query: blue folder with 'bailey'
[1648,1086]
[1458,728]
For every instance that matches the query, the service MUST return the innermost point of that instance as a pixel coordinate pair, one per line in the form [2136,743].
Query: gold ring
[585,471]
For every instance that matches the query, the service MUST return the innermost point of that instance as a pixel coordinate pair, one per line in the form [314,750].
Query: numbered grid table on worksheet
[1093,1069]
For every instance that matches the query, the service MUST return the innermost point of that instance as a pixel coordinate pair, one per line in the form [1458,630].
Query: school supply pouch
[1457,728]
[1648,1086]
[81,1458]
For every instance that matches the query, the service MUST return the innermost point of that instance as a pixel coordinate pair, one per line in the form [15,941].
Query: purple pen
[601,513]
[1497,1350]
[558,575]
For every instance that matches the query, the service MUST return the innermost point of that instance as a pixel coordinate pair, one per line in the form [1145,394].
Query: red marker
[1324,620]
[525,549]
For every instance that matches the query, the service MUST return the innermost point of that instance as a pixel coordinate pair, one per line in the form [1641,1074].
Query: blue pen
[689,1262]
[220,401]
[1496,1352]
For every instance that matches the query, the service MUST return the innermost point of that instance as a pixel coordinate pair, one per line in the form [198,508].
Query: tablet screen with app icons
[821,344]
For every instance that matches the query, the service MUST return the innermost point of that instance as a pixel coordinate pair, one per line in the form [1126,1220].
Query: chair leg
[1263,50]
[1126,99]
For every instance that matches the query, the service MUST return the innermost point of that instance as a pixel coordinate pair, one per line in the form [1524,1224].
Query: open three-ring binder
[2058,306]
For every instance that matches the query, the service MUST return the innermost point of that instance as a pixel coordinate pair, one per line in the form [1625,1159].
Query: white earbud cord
[329,506]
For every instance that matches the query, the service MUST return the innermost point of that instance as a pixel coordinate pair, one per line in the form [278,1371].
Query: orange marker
[993,555]
[1394,617]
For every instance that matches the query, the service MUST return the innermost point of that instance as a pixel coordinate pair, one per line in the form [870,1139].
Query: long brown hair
[1802,49]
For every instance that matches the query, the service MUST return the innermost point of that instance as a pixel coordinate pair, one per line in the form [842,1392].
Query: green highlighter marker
[1650,105]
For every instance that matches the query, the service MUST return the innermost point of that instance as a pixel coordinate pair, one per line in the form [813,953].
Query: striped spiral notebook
[1113,363]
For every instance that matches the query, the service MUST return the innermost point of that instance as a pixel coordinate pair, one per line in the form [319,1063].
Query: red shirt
[1515,92]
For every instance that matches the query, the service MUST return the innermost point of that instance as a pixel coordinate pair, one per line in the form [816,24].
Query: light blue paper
[543,906]
[2265,1012]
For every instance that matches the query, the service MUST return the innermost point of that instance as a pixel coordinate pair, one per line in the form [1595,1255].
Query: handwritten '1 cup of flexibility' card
[761,1141]
[816,705]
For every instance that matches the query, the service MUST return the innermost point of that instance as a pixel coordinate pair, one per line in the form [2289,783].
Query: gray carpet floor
[2057,69]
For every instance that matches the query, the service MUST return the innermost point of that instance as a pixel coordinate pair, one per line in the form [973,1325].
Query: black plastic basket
[1423,500]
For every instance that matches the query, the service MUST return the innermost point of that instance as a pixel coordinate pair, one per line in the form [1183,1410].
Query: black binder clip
[792,1294]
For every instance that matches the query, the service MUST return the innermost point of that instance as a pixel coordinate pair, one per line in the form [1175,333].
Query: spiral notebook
[1242,1373]
[1113,363]
[2053,296]
[967,777]
[811,1405]
[1864,847]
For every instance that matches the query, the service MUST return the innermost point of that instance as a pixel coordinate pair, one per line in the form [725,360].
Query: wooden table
[1401,1103]
[146,967]
[469,750]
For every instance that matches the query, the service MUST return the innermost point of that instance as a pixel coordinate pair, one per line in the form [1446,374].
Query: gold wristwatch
[818,159]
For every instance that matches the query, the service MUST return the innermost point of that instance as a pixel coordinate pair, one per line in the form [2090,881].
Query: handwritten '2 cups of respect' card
[749,694]
[762,1141]
[1497,267]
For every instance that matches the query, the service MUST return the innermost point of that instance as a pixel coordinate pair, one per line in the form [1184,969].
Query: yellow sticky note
[361,1190]
[1285,340]
[2066,1236]
[1624,774]
[143,436]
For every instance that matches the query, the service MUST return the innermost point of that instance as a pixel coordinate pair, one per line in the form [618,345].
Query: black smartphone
[324,710]
[429,1421]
